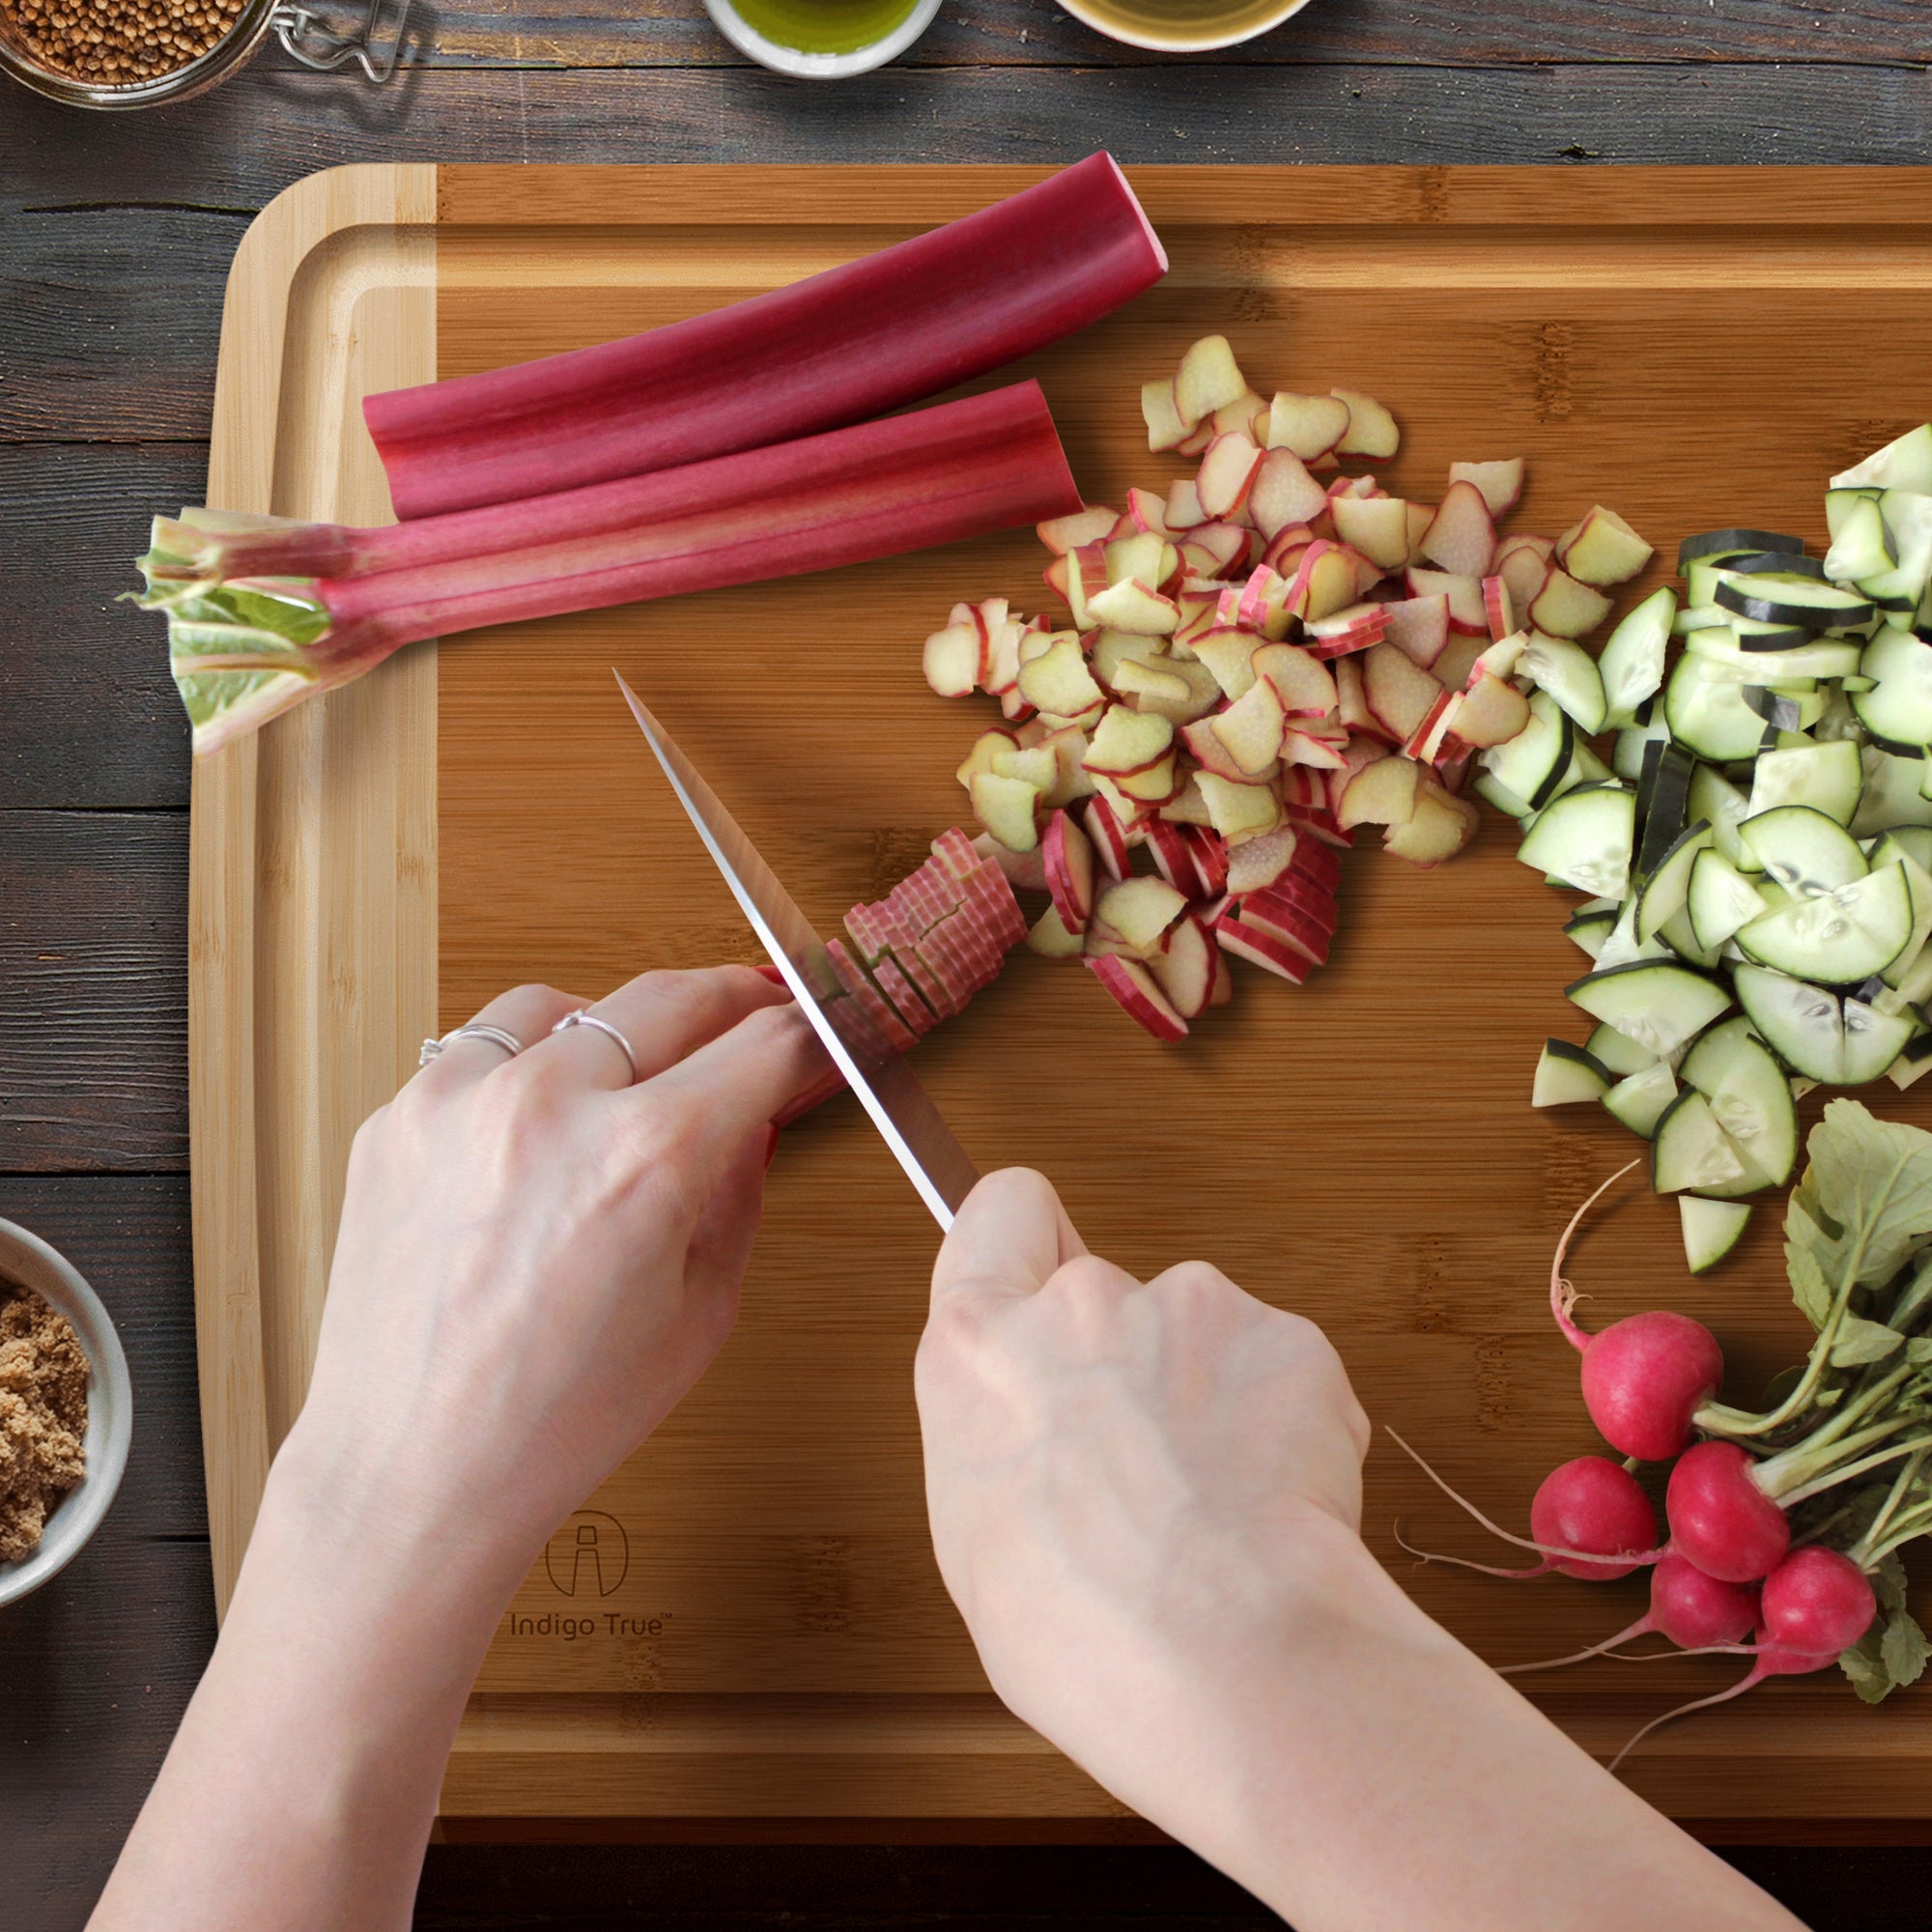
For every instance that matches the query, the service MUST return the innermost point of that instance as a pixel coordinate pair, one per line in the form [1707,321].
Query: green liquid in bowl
[823,26]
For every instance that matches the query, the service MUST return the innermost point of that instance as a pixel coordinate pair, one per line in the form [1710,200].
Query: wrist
[355,1535]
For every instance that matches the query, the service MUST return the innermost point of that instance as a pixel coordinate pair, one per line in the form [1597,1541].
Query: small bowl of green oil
[822,39]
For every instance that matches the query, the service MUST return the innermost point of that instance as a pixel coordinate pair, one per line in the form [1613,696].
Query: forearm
[1359,1769]
[300,1789]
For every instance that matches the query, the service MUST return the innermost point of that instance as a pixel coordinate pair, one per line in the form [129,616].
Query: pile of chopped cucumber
[1759,848]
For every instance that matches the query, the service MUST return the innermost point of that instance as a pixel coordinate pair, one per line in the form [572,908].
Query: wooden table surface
[115,236]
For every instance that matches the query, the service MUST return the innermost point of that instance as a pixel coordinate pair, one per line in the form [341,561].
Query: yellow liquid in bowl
[823,26]
[1184,22]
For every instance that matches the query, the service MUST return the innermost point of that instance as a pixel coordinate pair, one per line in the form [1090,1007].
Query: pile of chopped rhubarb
[1253,663]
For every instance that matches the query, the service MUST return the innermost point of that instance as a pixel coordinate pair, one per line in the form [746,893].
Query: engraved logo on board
[588,1556]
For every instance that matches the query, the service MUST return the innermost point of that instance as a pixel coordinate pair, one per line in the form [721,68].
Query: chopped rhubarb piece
[1261,948]
[872,1003]
[835,348]
[904,996]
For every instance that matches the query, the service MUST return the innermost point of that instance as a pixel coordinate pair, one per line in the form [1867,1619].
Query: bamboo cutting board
[745,1626]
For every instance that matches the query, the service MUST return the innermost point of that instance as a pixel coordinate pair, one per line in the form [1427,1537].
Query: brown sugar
[42,1416]
[116,43]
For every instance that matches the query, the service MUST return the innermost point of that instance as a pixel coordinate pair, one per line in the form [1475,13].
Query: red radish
[1597,1506]
[1693,1610]
[1719,1517]
[1599,1523]
[1817,1601]
[1773,1662]
[1645,1376]
[832,349]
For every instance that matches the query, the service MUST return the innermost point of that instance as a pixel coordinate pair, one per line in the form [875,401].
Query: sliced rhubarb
[872,335]
[259,618]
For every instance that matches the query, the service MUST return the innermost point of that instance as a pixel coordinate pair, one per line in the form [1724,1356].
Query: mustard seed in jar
[116,43]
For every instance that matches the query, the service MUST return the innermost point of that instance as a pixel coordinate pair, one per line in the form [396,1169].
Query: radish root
[1737,1690]
[1628,1561]
[1563,1295]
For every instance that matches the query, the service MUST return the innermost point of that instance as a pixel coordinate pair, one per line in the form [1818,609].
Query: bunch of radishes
[1256,663]
[1781,1523]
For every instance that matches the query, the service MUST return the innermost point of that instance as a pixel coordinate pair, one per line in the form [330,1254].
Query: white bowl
[820,66]
[26,1259]
[1144,27]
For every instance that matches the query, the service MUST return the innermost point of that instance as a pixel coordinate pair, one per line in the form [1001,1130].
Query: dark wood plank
[96,1667]
[1421,33]
[89,719]
[92,992]
[109,331]
[110,304]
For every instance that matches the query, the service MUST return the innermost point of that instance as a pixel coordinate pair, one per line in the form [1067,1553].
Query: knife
[889,1091]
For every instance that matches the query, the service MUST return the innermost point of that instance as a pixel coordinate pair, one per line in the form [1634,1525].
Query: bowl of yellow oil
[822,39]
[1183,26]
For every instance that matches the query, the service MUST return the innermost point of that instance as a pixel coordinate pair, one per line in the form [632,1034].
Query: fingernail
[770,1147]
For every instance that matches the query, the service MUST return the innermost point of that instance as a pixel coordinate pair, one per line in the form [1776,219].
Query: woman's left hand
[539,1256]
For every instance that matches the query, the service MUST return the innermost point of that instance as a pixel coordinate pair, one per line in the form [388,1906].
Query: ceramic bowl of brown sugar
[67,1413]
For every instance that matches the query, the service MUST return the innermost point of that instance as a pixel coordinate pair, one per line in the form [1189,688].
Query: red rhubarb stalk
[875,334]
[286,609]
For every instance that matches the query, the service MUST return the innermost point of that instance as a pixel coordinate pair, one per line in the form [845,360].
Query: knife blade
[890,1092]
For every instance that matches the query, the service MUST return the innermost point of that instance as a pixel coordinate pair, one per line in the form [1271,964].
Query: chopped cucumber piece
[1691,1150]
[1772,657]
[1903,464]
[1894,793]
[1897,711]
[1487,786]
[1565,1074]
[1741,1078]
[1714,797]
[1889,851]
[1678,933]
[1639,1100]
[1861,545]
[1666,890]
[1711,1228]
[1630,664]
[1804,1025]
[1618,1052]
[1733,543]
[1584,838]
[1914,840]
[1628,753]
[1721,900]
[1802,850]
[1915,1058]
[1704,705]
[1656,1003]
[1827,777]
[1570,674]
[1792,600]
[1622,947]
[1534,762]
[1589,931]
[1874,1041]
[1908,516]
[1837,937]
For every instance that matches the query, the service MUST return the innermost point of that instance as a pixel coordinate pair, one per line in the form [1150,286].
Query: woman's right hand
[1132,1486]
[1145,1499]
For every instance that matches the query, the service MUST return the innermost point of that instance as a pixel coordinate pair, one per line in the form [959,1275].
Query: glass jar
[372,47]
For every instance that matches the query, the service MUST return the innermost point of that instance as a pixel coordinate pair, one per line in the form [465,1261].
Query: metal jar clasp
[306,39]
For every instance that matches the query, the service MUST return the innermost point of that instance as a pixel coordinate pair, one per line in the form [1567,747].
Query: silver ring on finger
[584,1016]
[433,1049]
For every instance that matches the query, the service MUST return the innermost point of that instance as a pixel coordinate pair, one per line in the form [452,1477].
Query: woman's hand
[538,1257]
[1131,1485]
[1145,1501]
